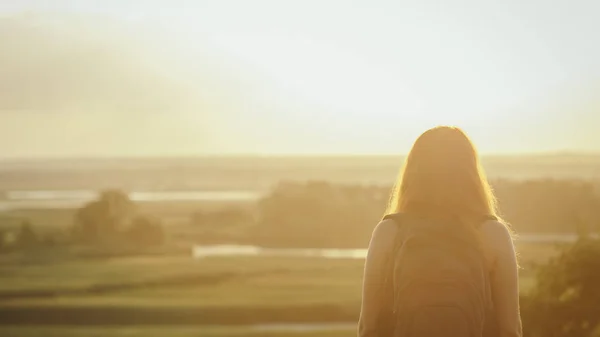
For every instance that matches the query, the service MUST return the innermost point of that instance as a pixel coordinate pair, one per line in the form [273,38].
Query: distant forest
[319,214]
[313,214]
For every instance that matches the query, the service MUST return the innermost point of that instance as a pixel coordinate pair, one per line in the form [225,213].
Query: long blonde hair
[442,177]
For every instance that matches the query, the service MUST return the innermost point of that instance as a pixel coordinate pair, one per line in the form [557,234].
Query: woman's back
[502,269]
[442,180]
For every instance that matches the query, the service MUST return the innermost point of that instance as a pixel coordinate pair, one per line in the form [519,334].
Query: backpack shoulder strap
[486,219]
[387,322]
[398,219]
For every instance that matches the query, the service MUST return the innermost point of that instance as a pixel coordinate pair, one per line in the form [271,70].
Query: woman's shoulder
[496,229]
[498,236]
[384,233]
[385,227]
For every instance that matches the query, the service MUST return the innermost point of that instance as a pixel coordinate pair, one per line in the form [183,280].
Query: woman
[441,182]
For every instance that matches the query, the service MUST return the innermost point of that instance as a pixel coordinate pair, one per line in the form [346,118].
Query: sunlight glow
[333,78]
[201,78]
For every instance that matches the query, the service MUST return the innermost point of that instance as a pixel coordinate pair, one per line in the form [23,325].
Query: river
[76,198]
[202,251]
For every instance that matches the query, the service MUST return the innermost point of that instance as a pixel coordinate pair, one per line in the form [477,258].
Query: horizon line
[283,155]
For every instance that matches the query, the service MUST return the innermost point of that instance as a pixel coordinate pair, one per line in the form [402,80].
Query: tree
[3,244]
[318,214]
[548,205]
[105,217]
[565,301]
[145,231]
[26,236]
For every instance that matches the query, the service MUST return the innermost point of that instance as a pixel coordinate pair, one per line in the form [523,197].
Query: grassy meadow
[153,331]
[181,296]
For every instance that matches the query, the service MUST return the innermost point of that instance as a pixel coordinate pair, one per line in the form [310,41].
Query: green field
[82,297]
[146,331]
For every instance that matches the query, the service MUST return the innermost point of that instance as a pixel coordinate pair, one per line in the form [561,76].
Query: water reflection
[200,251]
[241,250]
[76,198]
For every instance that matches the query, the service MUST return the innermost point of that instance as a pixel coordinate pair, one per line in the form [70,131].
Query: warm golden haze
[209,77]
[217,168]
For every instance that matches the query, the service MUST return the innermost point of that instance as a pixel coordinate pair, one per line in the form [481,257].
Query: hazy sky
[196,77]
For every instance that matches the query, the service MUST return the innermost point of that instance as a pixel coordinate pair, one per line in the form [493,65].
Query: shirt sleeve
[505,283]
[374,308]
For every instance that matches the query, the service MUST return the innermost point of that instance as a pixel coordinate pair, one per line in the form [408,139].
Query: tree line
[325,215]
[320,214]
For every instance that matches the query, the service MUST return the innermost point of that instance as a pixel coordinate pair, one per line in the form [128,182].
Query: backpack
[439,280]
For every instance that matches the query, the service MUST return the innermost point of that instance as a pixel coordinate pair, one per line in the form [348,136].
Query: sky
[154,78]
